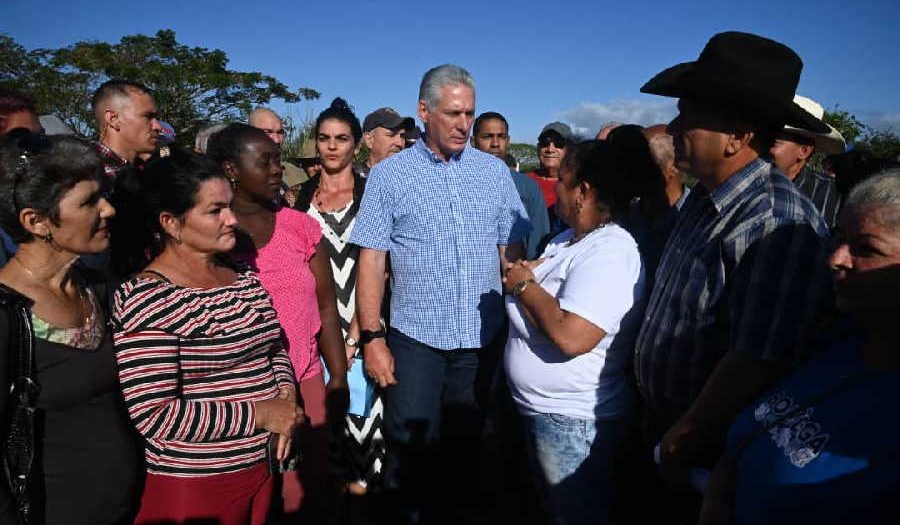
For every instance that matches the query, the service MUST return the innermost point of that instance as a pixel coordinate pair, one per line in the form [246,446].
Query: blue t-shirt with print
[830,451]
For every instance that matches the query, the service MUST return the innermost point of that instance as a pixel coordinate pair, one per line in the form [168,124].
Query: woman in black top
[53,207]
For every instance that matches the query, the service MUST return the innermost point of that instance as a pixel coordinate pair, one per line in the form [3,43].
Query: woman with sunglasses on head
[573,320]
[332,197]
[284,247]
[205,375]
[87,464]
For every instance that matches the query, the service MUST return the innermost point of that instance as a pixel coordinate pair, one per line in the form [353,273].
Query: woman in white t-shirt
[572,322]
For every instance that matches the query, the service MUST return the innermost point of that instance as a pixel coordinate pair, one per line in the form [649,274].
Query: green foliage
[884,144]
[846,123]
[527,156]
[192,85]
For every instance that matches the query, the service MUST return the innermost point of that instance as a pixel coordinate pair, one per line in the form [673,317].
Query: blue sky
[535,62]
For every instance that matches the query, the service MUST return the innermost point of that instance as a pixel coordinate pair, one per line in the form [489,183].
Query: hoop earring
[177,238]
[47,238]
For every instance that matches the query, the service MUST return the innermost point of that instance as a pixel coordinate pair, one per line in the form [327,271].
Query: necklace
[27,269]
[84,295]
[576,238]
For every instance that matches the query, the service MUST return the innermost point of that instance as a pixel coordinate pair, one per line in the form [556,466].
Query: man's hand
[379,362]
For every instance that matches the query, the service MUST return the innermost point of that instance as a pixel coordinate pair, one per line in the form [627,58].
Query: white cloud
[587,117]
[885,121]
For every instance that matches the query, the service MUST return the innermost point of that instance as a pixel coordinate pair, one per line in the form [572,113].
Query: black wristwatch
[366,336]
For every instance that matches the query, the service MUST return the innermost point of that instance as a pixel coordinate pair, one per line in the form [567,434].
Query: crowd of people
[682,323]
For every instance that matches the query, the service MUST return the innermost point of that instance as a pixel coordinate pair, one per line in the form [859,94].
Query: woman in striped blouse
[205,377]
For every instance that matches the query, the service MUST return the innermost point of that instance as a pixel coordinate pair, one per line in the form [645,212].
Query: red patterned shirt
[192,362]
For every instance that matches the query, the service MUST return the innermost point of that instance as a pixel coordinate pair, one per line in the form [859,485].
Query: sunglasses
[29,146]
[558,142]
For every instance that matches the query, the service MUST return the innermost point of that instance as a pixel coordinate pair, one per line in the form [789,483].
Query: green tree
[526,154]
[192,85]
[846,123]
[884,144]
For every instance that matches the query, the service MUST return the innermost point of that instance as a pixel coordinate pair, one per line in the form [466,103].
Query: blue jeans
[572,460]
[432,428]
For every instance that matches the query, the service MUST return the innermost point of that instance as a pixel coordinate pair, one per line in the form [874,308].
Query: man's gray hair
[440,76]
[880,191]
[203,135]
[662,149]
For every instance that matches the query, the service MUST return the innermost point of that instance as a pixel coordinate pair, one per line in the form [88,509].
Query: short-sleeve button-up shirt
[441,222]
[745,271]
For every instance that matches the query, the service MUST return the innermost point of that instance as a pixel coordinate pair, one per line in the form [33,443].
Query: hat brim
[830,143]
[684,81]
[406,123]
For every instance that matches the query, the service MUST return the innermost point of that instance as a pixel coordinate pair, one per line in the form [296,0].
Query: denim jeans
[432,428]
[572,460]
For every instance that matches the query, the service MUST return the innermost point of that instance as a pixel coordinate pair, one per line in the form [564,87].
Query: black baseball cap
[386,118]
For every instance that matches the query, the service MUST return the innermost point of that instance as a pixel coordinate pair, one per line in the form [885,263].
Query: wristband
[520,287]
[366,336]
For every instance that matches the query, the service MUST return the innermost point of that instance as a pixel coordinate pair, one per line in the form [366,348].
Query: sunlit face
[258,171]
[697,137]
[83,219]
[137,122]
[551,150]
[492,137]
[271,126]
[787,153]
[383,143]
[860,263]
[447,124]
[209,226]
[336,145]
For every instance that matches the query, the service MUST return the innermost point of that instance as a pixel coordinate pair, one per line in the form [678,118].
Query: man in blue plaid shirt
[449,216]
[743,277]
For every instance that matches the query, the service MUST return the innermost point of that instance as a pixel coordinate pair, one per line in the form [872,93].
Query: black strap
[19,449]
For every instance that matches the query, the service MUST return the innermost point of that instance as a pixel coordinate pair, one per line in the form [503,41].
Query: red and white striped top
[191,364]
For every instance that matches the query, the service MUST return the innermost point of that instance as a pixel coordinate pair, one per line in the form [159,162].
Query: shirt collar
[685,191]
[732,189]
[109,154]
[423,149]
[801,177]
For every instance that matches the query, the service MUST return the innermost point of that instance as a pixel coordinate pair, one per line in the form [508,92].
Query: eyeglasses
[558,142]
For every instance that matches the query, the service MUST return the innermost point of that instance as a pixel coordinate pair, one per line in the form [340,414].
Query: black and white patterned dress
[360,453]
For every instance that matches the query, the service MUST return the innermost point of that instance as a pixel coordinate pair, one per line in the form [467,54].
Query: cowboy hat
[745,71]
[829,143]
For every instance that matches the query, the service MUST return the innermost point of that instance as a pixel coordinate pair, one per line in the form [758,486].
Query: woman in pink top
[283,246]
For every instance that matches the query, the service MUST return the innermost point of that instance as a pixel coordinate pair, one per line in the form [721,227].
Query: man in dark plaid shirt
[743,276]
[126,119]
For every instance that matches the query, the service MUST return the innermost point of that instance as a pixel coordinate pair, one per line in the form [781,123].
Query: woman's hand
[517,272]
[280,415]
[351,352]
[283,444]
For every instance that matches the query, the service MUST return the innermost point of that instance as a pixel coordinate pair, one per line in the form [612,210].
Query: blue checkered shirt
[745,271]
[441,222]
